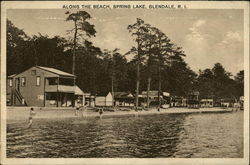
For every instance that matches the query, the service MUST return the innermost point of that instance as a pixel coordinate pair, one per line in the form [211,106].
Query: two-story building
[193,100]
[43,87]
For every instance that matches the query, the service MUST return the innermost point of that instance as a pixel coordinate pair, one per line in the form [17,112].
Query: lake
[212,135]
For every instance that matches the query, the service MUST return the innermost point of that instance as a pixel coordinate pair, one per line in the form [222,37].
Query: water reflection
[176,135]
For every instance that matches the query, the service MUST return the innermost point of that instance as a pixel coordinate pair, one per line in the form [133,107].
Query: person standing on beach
[32,113]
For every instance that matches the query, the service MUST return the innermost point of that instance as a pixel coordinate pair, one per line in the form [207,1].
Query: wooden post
[138,74]
[73,61]
[66,99]
[137,86]
[112,89]
[159,85]
[44,93]
[148,89]
[12,97]
[57,92]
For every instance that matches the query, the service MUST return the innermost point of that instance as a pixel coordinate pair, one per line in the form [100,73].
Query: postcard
[124,82]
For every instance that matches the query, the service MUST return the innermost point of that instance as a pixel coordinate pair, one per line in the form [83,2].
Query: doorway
[17,84]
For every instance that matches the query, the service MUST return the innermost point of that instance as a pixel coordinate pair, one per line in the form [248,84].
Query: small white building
[105,100]
[206,103]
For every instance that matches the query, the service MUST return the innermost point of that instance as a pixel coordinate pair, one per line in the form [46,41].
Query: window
[38,81]
[23,81]
[11,82]
[33,72]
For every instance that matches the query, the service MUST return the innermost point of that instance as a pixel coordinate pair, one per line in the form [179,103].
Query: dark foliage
[95,68]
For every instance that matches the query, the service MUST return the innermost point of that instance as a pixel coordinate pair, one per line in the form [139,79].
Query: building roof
[78,91]
[166,94]
[11,76]
[151,93]
[56,71]
[206,99]
[123,95]
[103,94]
[52,70]
[70,89]
[87,94]
[67,89]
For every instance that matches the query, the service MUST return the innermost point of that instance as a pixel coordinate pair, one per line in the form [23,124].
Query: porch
[59,99]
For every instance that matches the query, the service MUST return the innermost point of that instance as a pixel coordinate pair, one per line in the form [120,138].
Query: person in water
[77,108]
[101,112]
[32,113]
[136,112]
[84,110]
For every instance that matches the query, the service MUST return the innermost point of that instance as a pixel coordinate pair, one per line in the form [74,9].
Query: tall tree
[88,66]
[150,44]
[81,28]
[180,78]
[162,51]
[110,56]
[138,31]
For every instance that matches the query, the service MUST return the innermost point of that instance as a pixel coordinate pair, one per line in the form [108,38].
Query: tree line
[157,64]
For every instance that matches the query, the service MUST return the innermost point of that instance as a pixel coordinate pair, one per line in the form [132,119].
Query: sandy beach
[22,113]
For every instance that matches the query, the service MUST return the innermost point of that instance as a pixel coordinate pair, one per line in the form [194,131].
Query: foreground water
[164,135]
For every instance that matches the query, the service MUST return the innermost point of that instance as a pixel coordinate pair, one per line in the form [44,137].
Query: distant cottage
[43,86]
[104,100]
[193,99]
[124,99]
[206,103]
[153,97]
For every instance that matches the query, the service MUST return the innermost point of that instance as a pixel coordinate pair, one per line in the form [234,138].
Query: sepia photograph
[124,80]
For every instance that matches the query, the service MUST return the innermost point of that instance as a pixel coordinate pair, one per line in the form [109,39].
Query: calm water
[168,135]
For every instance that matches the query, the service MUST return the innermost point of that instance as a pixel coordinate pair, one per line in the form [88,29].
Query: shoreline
[22,113]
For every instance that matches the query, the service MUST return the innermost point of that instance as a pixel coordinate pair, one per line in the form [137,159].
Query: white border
[190,5]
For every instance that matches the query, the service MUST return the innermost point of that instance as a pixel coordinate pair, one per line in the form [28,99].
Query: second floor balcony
[57,84]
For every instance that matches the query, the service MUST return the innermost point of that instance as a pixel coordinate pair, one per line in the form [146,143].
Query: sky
[207,36]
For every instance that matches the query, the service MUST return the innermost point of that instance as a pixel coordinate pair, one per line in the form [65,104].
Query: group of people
[83,110]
